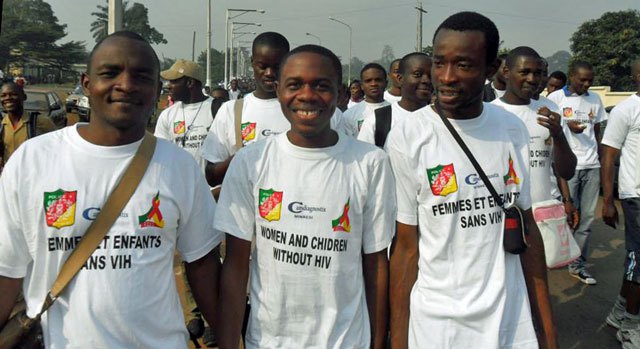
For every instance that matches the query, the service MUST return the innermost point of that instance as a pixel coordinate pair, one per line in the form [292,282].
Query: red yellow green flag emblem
[511,177]
[270,204]
[248,130]
[178,127]
[342,223]
[153,218]
[60,208]
[442,179]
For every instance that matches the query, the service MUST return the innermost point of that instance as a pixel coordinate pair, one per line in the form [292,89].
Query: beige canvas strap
[237,121]
[112,208]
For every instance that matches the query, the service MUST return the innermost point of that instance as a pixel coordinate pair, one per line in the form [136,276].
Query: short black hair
[520,51]
[14,86]
[354,81]
[122,34]
[319,50]
[579,64]
[560,76]
[270,39]
[406,58]
[373,65]
[473,21]
[397,60]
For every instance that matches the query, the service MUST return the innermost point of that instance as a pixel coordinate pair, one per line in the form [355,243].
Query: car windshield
[36,101]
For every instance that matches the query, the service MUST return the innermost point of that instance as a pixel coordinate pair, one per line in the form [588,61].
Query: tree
[135,19]
[610,44]
[217,65]
[559,61]
[387,57]
[30,34]
[428,50]
[356,66]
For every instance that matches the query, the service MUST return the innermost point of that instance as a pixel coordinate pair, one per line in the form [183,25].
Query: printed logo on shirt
[511,177]
[153,218]
[91,213]
[60,208]
[301,210]
[270,204]
[477,182]
[342,223]
[248,131]
[592,114]
[567,112]
[442,179]
[178,127]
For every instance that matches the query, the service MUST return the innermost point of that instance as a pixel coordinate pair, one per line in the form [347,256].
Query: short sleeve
[217,146]
[196,234]
[617,128]
[380,209]
[367,131]
[406,181]
[236,207]
[163,129]
[14,250]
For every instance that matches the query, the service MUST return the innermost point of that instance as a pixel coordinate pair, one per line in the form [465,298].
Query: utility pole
[419,30]
[115,16]
[208,82]
[193,47]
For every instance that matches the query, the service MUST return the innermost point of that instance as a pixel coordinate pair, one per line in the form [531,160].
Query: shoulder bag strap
[112,208]
[383,124]
[237,121]
[466,150]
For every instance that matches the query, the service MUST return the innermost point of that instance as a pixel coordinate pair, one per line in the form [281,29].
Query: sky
[545,25]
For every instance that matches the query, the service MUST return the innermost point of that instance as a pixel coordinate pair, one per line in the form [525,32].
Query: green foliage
[31,30]
[135,19]
[559,61]
[610,43]
[217,65]
[428,50]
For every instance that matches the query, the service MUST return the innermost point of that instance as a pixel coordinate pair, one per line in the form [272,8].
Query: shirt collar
[569,93]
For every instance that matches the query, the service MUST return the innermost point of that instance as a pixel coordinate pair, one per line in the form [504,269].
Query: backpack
[383,125]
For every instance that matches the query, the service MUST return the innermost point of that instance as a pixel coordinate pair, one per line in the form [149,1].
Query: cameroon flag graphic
[60,208]
[153,218]
[511,177]
[270,204]
[248,130]
[442,179]
[342,223]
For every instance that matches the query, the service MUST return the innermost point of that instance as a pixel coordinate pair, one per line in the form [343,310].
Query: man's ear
[492,68]
[505,72]
[84,81]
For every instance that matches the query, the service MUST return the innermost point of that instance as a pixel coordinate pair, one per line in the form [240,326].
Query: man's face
[355,90]
[234,85]
[266,62]
[307,92]
[394,75]
[178,89]
[12,99]
[581,80]
[459,69]
[523,79]
[219,94]
[123,83]
[554,84]
[416,80]
[374,82]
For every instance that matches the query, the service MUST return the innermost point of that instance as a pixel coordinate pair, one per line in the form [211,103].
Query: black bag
[383,125]
[515,230]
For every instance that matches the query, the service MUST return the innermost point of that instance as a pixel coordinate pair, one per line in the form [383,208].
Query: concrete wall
[610,98]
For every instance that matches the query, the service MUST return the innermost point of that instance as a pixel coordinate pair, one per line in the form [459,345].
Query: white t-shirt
[233,94]
[469,293]
[391,98]
[311,228]
[368,129]
[354,117]
[540,146]
[125,296]
[623,132]
[186,125]
[261,118]
[553,181]
[499,93]
[586,109]
[352,103]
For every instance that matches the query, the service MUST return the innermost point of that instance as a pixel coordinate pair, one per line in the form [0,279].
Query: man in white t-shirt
[415,80]
[498,84]
[320,207]
[547,144]
[393,94]
[234,92]
[125,295]
[188,120]
[452,285]
[374,82]
[582,114]
[622,136]
[261,115]
[356,95]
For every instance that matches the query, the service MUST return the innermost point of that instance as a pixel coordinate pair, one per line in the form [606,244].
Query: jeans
[584,188]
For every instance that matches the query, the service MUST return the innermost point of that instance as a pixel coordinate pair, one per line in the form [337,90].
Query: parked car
[72,99]
[84,109]
[47,103]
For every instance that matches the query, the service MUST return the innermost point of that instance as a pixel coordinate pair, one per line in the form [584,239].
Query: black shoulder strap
[466,150]
[33,121]
[383,125]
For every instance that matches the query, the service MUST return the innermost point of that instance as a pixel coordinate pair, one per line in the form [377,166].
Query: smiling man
[319,266]
[452,285]
[125,295]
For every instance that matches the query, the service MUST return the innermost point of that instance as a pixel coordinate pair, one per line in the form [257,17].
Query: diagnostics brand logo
[91,213]
[475,180]
[301,210]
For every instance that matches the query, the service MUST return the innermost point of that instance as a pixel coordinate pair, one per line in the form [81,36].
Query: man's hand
[610,214]
[576,127]
[573,216]
[550,120]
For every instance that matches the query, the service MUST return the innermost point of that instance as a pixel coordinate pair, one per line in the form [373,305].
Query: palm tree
[135,19]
